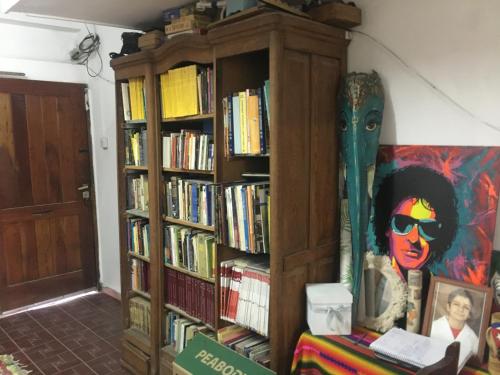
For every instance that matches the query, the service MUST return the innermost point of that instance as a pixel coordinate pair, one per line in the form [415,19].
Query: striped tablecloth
[341,355]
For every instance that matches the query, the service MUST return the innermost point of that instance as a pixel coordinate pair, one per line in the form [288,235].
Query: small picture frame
[459,305]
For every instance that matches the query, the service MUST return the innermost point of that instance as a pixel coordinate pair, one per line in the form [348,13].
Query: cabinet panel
[290,180]
[324,152]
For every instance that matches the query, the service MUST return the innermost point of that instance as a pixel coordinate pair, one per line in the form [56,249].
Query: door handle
[42,213]
[83,187]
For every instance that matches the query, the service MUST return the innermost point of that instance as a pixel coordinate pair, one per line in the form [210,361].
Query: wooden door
[46,216]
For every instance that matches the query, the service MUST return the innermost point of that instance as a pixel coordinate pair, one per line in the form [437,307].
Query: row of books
[188,149]
[247,343]
[139,275]
[192,295]
[136,147]
[138,238]
[187,91]
[190,200]
[140,314]
[137,192]
[189,248]
[179,330]
[133,99]
[243,216]
[244,293]
[246,122]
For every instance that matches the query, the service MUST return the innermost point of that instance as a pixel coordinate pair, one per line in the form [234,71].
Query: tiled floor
[79,337]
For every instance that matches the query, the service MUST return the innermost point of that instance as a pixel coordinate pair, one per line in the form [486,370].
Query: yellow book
[253,123]
[243,122]
[181,92]
[136,86]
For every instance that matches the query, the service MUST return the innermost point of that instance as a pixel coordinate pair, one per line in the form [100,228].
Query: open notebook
[413,350]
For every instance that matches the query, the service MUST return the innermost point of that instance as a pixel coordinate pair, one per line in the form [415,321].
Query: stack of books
[190,200]
[191,295]
[138,236]
[133,99]
[151,39]
[140,314]
[187,91]
[140,276]
[243,216]
[246,120]
[188,24]
[190,249]
[245,342]
[179,330]
[244,293]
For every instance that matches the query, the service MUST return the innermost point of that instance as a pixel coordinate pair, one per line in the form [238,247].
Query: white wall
[40,48]
[452,43]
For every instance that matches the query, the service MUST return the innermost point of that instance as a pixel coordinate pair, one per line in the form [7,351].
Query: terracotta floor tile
[81,337]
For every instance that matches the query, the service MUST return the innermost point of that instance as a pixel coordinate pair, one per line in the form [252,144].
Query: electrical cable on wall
[89,45]
[428,82]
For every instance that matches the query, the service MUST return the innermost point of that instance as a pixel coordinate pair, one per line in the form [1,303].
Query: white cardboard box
[329,309]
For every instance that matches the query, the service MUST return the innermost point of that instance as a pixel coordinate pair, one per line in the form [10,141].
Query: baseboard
[112,293]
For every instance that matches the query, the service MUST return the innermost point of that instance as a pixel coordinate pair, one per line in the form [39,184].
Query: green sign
[204,356]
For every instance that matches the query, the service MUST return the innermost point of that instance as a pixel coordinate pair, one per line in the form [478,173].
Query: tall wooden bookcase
[304,61]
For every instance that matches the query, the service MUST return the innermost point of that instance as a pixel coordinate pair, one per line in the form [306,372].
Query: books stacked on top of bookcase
[243,214]
[191,295]
[187,24]
[190,249]
[187,91]
[179,331]
[246,120]
[133,99]
[140,314]
[244,293]
[188,149]
[246,342]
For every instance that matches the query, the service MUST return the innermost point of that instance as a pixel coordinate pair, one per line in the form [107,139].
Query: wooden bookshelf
[188,223]
[304,61]
[192,274]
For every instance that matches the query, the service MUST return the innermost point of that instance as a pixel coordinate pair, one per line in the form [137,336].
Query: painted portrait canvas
[434,207]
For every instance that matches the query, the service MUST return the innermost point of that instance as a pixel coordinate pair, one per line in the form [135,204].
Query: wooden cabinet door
[46,216]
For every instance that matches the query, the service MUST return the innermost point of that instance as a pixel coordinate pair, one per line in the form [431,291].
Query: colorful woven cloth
[9,366]
[339,355]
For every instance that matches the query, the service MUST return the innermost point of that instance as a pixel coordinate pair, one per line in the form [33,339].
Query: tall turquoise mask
[362,105]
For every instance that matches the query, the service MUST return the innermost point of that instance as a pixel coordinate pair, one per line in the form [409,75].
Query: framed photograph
[458,311]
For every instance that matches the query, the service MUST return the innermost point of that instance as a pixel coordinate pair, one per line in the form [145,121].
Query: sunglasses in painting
[429,229]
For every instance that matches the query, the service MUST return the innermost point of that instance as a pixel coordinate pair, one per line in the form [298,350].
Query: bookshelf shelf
[135,168]
[187,171]
[209,116]
[179,311]
[140,213]
[188,224]
[138,256]
[193,274]
[289,54]
[141,293]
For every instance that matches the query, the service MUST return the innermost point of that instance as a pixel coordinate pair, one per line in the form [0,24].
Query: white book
[413,350]
[125,102]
